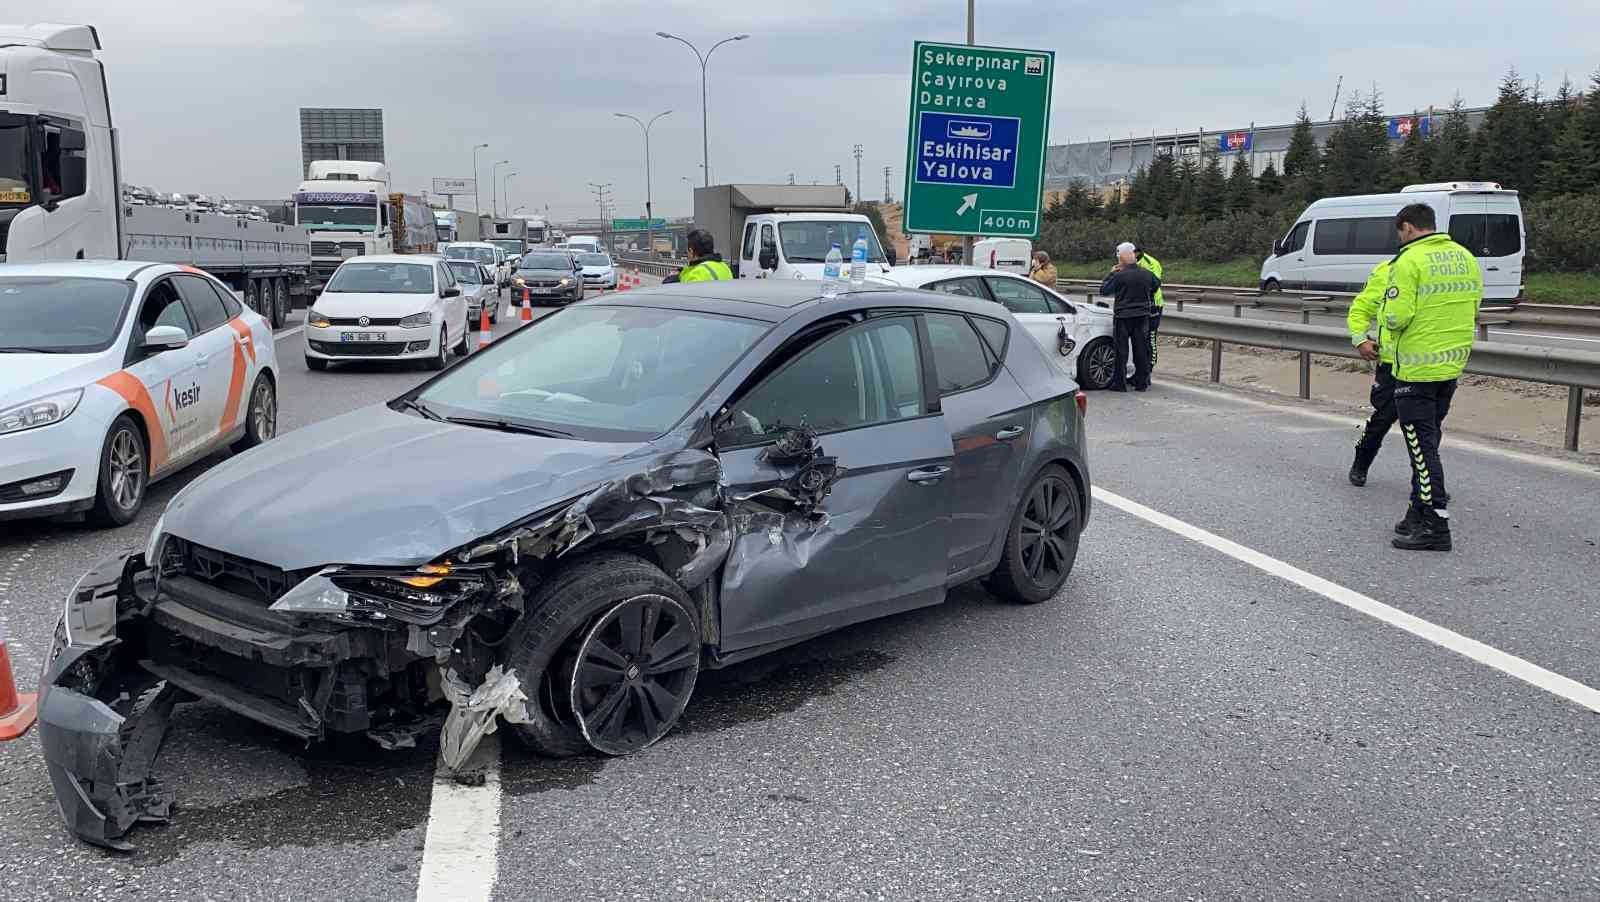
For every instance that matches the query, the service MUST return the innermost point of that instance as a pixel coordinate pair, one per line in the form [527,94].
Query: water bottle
[858,261]
[830,272]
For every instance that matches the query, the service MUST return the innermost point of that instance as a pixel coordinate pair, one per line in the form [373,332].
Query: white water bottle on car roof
[830,272]
[858,261]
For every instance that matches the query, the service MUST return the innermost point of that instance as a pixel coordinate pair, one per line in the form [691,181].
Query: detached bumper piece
[126,654]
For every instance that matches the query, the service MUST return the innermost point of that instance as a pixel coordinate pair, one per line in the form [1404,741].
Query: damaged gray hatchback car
[676,479]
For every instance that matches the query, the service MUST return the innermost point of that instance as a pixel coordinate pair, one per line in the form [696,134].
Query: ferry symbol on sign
[976,131]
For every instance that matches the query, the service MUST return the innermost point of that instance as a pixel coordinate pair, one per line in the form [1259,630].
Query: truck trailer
[61,192]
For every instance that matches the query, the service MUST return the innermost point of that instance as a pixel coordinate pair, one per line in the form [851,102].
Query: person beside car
[1134,289]
[705,264]
[1043,271]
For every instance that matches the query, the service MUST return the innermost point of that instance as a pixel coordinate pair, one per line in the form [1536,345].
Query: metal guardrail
[1577,370]
[655,266]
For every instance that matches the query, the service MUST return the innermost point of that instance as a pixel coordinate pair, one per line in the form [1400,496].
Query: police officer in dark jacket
[1134,288]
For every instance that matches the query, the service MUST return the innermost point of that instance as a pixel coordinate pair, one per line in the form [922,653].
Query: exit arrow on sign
[967,202]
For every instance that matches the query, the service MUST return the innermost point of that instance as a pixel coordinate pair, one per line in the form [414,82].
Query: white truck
[784,231]
[61,181]
[342,206]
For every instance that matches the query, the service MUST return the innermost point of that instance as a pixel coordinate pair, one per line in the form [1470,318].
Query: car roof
[916,276]
[777,300]
[472,244]
[84,269]
[419,259]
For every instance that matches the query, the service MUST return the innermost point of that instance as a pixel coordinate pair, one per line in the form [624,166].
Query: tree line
[1212,208]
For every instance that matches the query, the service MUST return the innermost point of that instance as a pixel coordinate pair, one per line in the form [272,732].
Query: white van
[1015,254]
[1338,240]
[586,244]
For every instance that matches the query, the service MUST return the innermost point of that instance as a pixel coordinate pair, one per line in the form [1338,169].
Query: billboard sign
[455,186]
[1401,126]
[1233,142]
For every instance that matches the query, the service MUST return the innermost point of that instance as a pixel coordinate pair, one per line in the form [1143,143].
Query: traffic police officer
[1154,266]
[705,264]
[1427,321]
[1363,311]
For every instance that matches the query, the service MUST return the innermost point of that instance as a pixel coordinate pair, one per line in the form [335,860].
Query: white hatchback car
[115,374]
[598,271]
[388,307]
[1076,335]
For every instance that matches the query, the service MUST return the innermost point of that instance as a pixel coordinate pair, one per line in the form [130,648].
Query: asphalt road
[1176,724]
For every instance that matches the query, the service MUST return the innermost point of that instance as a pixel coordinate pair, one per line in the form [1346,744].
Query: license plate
[362,336]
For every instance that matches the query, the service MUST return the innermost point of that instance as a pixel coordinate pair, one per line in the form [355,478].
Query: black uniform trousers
[1421,408]
[1131,331]
[1383,415]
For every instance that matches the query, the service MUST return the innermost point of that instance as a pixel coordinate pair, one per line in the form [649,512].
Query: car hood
[24,377]
[545,273]
[361,303]
[375,486]
[597,270]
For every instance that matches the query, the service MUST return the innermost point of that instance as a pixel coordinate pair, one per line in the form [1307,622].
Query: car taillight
[1082,401]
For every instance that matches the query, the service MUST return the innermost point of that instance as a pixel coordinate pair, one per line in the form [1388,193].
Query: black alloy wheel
[635,670]
[1042,544]
[1097,365]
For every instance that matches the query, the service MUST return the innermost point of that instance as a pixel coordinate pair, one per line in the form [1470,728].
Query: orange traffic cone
[527,306]
[17,710]
[485,328]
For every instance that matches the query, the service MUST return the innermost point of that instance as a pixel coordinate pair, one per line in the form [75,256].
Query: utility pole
[972,38]
[857,151]
[600,191]
[791,178]
[477,208]
[886,197]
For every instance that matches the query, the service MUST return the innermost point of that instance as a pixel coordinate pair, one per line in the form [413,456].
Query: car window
[853,378]
[382,278]
[162,307]
[966,287]
[1018,296]
[204,305]
[749,241]
[447,277]
[994,332]
[229,302]
[958,353]
[1487,234]
[1297,237]
[467,271]
[1364,236]
[767,235]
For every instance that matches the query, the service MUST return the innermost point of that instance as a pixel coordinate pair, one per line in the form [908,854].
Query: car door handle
[1010,432]
[1494,269]
[927,475]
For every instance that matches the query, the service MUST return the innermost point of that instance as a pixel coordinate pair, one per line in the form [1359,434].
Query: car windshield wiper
[18,349]
[422,409]
[509,426]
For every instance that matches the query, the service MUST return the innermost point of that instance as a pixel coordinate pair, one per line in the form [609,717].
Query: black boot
[1409,525]
[1431,534]
[1358,468]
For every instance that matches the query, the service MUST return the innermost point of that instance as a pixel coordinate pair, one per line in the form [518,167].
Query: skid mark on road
[1511,665]
[8,579]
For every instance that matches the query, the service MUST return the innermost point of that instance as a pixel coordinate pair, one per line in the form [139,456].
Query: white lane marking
[288,332]
[461,853]
[1451,441]
[1511,665]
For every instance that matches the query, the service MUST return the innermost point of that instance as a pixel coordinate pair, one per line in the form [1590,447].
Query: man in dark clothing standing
[1134,288]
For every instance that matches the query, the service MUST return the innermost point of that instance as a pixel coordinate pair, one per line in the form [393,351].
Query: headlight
[566,280]
[421,596]
[40,411]
[318,319]
[518,280]
[416,321]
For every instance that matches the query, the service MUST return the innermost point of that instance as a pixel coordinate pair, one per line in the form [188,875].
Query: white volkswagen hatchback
[1076,335]
[115,374]
[388,307]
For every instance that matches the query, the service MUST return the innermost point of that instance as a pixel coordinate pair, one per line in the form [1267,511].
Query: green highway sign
[979,119]
[638,225]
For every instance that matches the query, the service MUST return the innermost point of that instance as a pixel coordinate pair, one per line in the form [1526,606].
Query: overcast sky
[206,94]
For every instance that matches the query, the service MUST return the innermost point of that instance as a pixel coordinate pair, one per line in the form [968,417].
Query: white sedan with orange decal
[116,374]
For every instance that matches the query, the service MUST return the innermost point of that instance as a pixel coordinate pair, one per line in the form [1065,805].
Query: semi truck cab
[342,207]
[59,195]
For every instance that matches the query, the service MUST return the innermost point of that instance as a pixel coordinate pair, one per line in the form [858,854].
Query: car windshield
[594,259]
[484,255]
[352,218]
[512,246]
[383,278]
[466,271]
[598,373]
[14,165]
[59,315]
[808,241]
[545,261]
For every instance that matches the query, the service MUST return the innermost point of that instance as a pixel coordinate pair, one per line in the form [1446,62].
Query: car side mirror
[450,293]
[892,255]
[769,256]
[160,339]
[1277,248]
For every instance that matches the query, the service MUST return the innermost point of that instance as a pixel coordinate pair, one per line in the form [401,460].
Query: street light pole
[705,130]
[649,208]
[494,185]
[477,206]
[505,190]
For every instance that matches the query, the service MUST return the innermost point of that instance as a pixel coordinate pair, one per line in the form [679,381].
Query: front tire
[124,475]
[608,656]
[280,303]
[1271,286]
[261,418]
[1097,364]
[1042,541]
[463,347]
[438,361]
